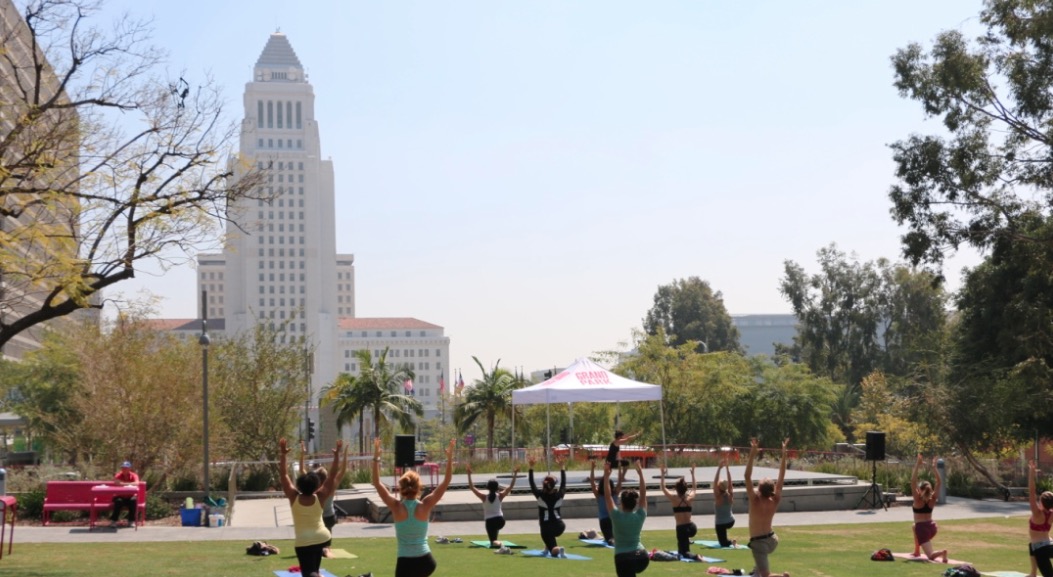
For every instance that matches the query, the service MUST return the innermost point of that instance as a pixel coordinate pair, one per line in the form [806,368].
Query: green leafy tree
[260,385]
[489,397]
[377,389]
[972,184]
[689,310]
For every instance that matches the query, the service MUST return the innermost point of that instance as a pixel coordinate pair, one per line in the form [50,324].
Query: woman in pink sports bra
[924,502]
[1040,547]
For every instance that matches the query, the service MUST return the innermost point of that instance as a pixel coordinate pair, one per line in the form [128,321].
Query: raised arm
[432,499]
[782,468]
[716,480]
[608,499]
[749,470]
[332,481]
[283,466]
[478,493]
[382,490]
[936,482]
[339,475]
[643,486]
[508,490]
[914,477]
[627,438]
[562,475]
[303,452]
[731,490]
[694,485]
[530,476]
[592,478]
[668,494]
[1031,487]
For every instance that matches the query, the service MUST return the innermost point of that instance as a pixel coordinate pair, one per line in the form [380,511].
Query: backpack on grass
[882,555]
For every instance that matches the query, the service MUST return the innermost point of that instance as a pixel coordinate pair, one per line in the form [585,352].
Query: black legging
[1042,557]
[607,528]
[550,530]
[722,533]
[684,533]
[493,525]
[629,564]
[422,566]
[310,559]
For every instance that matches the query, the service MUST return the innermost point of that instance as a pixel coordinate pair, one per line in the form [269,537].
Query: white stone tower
[281,261]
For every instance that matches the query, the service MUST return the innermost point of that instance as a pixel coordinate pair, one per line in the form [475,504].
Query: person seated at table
[124,477]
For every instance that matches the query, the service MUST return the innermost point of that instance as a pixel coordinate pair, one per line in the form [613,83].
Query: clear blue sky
[526,174]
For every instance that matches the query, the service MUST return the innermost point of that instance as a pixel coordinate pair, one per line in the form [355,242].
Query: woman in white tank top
[492,514]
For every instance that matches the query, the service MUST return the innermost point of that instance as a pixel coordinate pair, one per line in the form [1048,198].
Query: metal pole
[661,413]
[548,436]
[204,341]
[307,398]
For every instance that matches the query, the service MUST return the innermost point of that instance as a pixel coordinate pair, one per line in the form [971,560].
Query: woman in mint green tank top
[411,515]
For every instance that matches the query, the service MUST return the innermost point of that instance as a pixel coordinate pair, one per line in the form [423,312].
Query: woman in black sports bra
[1040,548]
[924,501]
[683,505]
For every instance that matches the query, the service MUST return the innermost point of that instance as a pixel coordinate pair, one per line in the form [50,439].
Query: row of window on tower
[281,264]
[281,289]
[281,240]
[287,143]
[274,111]
[402,352]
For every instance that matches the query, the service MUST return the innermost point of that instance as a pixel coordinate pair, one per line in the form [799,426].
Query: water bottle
[189,503]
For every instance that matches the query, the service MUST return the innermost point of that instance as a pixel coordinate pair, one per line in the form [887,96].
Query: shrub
[31,503]
[157,507]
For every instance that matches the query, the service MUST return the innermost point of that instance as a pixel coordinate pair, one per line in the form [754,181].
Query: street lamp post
[205,341]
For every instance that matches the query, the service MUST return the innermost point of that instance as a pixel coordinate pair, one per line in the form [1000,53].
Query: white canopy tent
[585,382]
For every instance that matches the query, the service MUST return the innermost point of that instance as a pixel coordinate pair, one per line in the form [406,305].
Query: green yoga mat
[508,544]
[341,554]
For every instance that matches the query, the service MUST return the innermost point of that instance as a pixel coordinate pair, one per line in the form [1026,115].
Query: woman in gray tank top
[723,501]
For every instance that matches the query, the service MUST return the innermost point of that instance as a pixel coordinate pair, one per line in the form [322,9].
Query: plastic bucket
[215,520]
[191,517]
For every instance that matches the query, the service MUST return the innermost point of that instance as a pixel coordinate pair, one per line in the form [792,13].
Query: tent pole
[570,409]
[661,413]
[617,416]
[513,455]
[548,437]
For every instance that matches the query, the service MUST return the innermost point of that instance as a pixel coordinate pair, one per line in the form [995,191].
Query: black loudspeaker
[875,446]
[405,450]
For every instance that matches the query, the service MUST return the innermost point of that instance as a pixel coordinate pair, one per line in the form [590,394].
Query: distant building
[279,264]
[759,333]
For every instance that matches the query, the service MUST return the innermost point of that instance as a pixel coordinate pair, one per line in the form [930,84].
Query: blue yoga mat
[596,543]
[298,574]
[704,559]
[569,557]
[716,545]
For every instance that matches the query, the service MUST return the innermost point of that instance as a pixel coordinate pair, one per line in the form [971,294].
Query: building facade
[279,264]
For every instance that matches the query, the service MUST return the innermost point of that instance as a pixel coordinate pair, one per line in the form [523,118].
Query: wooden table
[105,494]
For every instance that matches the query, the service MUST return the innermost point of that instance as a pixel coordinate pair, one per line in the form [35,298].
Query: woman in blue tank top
[411,515]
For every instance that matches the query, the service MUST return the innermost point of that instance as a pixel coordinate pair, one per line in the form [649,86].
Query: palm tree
[490,396]
[378,387]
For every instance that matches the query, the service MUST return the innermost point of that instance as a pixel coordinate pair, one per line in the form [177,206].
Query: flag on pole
[442,385]
[460,382]
[408,385]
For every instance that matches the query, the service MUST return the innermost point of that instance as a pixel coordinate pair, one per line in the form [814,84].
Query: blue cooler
[191,517]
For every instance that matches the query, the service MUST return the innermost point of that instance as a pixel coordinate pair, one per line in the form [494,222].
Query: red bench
[77,496]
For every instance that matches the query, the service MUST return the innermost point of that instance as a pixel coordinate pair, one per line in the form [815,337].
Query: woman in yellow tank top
[305,500]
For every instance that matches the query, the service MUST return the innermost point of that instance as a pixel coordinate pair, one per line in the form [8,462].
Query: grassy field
[825,550]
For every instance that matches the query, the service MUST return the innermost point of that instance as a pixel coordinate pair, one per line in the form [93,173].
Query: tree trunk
[490,435]
[361,432]
[979,468]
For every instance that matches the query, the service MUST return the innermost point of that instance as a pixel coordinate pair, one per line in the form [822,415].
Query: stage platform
[802,491]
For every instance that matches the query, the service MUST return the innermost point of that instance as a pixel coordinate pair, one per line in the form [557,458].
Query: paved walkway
[269,519]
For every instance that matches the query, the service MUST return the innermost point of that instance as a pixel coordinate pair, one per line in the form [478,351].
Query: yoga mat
[704,560]
[596,543]
[487,545]
[341,554]
[923,559]
[298,574]
[569,557]
[1004,574]
[716,545]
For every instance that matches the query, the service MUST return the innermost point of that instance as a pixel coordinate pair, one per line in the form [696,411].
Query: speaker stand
[872,498]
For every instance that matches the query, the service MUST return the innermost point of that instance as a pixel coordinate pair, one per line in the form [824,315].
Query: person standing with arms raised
[411,515]
[628,516]
[764,502]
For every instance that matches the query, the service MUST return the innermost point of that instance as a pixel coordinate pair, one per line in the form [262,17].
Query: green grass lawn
[824,550]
